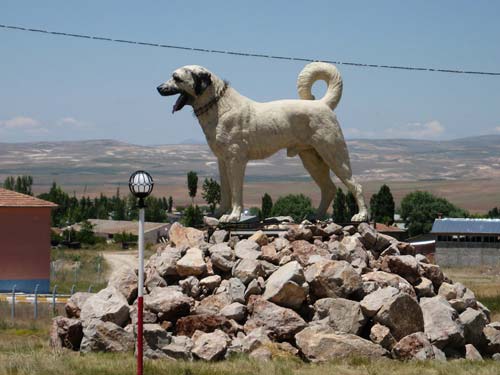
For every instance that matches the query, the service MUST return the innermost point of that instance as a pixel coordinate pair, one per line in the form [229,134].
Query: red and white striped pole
[140,293]
[141,185]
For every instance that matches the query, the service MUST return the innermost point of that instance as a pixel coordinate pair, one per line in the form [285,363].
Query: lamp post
[140,185]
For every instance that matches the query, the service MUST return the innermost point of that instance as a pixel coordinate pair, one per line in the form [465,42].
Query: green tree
[86,234]
[297,206]
[211,193]
[119,206]
[192,182]
[352,205]
[340,207]
[21,184]
[155,211]
[382,206]
[192,217]
[9,183]
[420,208]
[170,204]
[494,213]
[266,206]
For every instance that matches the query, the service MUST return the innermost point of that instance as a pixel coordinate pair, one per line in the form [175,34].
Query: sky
[58,88]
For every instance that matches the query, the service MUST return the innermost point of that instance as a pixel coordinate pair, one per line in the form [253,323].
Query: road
[118,259]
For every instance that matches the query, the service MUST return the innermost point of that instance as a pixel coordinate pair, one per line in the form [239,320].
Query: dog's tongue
[180,102]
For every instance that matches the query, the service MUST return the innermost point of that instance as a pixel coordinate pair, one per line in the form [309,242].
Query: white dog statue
[239,129]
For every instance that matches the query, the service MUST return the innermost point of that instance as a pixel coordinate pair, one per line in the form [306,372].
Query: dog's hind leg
[235,169]
[320,172]
[334,152]
[225,190]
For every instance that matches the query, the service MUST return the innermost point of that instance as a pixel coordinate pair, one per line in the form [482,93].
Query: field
[24,350]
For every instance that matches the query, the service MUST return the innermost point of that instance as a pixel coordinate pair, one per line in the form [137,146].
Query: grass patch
[82,268]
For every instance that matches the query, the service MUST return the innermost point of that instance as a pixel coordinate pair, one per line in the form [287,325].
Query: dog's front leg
[235,169]
[225,190]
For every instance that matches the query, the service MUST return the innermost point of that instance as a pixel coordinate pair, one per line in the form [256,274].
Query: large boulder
[346,316]
[213,304]
[100,336]
[441,323]
[321,343]
[247,269]
[491,342]
[222,257]
[331,278]
[382,336]
[286,287]
[371,303]
[191,264]
[382,279]
[124,280]
[155,337]
[247,249]
[66,333]
[474,322]
[368,235]
[425,288]
[405,266]
[168,302]
[282,323]
[109,305]
[210,346]
[179,348]
[402,315]
[74,305]
[166,261]
[414,346]
[188,237]
[306,253]
[235,311]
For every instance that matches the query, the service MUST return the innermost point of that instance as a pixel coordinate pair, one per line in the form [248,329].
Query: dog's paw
[231,218]
[362,216]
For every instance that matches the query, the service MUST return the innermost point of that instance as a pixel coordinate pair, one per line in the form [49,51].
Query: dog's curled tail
[316,71]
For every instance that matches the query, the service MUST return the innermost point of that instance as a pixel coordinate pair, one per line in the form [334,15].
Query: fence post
[36,301]
[90,288]
[54,291]
[13,307]
[72,291]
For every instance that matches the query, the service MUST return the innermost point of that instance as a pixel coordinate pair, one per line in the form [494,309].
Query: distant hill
[379,159]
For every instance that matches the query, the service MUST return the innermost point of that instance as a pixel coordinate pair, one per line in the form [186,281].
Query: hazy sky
[57,88]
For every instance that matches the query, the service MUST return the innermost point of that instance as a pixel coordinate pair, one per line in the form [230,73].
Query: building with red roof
[24,242]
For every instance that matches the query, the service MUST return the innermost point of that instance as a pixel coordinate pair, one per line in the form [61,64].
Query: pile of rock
[318,291]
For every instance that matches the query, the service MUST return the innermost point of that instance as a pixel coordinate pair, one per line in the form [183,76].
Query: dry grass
[24,350]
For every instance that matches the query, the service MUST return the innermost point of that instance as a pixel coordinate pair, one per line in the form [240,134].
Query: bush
[192,217]
[297,206]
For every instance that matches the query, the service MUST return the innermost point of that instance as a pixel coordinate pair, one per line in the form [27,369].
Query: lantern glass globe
[141,184]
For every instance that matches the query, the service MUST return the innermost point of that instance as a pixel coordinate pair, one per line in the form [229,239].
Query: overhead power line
[246,54]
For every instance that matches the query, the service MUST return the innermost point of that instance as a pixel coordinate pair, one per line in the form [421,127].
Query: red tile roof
[9,198]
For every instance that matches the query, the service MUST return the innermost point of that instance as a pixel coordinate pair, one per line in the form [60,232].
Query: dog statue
[239,129]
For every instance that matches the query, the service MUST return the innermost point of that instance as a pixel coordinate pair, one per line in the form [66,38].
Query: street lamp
[140,185]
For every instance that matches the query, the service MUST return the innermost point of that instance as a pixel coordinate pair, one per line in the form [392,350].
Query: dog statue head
[190,82]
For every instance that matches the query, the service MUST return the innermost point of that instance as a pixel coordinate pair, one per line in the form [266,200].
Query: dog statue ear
[201,81]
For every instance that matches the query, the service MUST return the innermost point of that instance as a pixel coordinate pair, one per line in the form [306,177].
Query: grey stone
[210,346]
[179,348]
[285,287]
[330,278]
[124,280]
[371,304]
[184,236]
[414,346]
[219,236]
[74,305]
[472,354]
[166,261]
[222,257]
[346,316]
[100,336]
[320,344]
[282,323]
[402,315]
[213,304]
[155,337]
[247,249]
[474,322]
[425,288]
[247,269]
[368,235]
[383,279]
[169,302]
[442,326]
[405,266]
[66,333]
[191,264]
[235,311]
[447,291]
[382,336]
[109,305]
